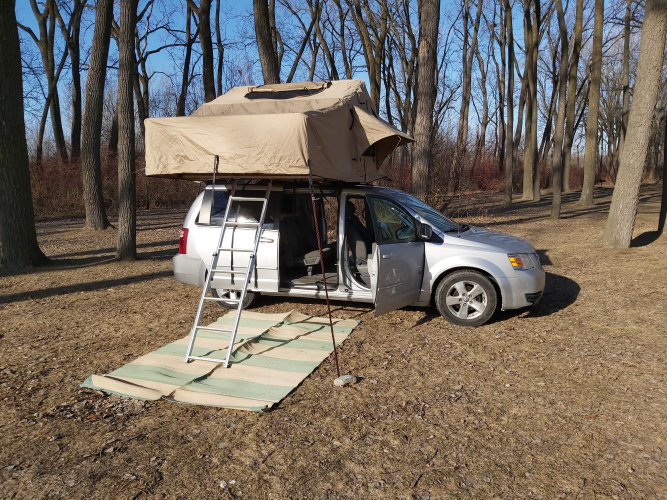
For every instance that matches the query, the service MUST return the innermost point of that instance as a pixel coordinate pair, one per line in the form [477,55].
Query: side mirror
[425,231]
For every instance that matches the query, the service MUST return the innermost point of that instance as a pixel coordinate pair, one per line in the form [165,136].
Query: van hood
[486,238]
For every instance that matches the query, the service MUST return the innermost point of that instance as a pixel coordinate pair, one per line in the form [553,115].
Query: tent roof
[276,131]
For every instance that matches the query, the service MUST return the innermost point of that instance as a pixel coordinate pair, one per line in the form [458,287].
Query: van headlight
[521,261]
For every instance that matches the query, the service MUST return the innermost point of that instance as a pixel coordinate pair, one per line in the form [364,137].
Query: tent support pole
[324,277]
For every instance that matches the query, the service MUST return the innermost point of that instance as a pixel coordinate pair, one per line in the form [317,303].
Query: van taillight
[183,241]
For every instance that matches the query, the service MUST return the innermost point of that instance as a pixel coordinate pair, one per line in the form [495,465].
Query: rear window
[240,211]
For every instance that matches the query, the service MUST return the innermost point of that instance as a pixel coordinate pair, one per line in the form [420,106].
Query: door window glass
[392,223]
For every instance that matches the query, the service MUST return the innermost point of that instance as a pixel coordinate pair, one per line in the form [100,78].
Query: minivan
[380,246]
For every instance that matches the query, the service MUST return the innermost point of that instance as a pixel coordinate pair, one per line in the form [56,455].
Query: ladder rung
[230,271]
[243,198]
[202,358]
[242,224]
[215,329]
[222,299]
[225,249]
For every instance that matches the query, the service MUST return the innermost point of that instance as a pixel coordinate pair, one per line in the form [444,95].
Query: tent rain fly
[276,131]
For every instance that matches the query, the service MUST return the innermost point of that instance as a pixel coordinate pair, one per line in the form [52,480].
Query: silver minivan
[379,246]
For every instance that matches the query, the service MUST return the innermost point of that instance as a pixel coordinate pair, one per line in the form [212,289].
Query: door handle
[387,255]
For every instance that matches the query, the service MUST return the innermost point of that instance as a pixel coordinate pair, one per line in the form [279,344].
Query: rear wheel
[466,298]
[232,295]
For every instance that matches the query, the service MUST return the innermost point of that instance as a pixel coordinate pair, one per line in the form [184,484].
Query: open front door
[397,265]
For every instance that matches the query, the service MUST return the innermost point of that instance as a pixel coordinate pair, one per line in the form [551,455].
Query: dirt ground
[564,400]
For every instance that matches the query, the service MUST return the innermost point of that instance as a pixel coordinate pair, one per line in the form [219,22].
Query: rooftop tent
[275,131]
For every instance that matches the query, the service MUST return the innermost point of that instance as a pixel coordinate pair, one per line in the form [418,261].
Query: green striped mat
[272,354]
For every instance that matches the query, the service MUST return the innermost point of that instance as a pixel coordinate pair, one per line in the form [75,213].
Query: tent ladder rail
[230,222]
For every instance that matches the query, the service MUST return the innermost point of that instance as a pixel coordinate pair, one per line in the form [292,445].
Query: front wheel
[232,295]
[466,298]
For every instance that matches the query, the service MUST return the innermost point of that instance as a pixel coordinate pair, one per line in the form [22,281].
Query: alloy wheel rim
[466,300]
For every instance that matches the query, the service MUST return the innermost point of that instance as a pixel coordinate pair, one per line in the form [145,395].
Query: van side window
[392,223]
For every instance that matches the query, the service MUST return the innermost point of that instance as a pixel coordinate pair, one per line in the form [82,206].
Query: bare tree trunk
[377,24]
[305,41]
[204,14]
[113,134]
[519,115]
[429,19]
[480,147]
[530,146]
[467,59]
[71,34]
[572,96]
[557,156]
[141,100]
[267,51]
[586,198]
[45,110]
[533,131]
[501,72]
[18,240]
[509,123]
[93,195]
[185,80]
[623,209]
[342,14]
[625,75]
[220,47]
[126,248]
[46,21]
[316,14]
[663,201]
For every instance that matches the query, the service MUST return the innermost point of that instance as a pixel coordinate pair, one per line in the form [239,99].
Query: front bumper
[522,290]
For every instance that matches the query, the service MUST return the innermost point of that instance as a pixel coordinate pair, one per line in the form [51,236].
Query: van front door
[397,265]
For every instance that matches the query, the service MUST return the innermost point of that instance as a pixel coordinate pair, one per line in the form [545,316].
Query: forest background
[500,95]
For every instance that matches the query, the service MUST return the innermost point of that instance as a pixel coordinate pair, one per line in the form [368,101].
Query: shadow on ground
[81,287]
[645,239]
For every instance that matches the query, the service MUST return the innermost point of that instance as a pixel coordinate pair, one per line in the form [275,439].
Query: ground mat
[272,354]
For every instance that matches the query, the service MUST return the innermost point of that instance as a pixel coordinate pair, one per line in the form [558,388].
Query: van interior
[291,211]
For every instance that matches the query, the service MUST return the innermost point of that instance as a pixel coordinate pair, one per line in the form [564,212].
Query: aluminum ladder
[206,296]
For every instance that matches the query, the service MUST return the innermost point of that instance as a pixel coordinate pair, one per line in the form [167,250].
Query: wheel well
[477,270]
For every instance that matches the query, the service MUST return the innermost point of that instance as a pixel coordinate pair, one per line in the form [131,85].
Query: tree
[220,47]
[531,29]
[46,21]
[626,74]
[71,34]
[469,50]
[429,19]
[572,95]
[188,73]
[126,248]
[623,209]
[372,28]
[265,45]
[18,240]
[203,13]
[93,195]
[590,153]
[557,156]
[509,147]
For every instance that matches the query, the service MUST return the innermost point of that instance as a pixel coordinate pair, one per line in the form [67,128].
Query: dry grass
[564,400]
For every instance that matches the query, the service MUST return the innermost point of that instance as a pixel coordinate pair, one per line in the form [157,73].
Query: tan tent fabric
[275,131]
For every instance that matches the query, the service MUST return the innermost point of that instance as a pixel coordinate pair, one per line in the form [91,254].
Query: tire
[466,298]
[221,292]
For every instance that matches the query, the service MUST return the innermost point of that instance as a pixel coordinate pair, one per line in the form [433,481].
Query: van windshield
[435,218]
